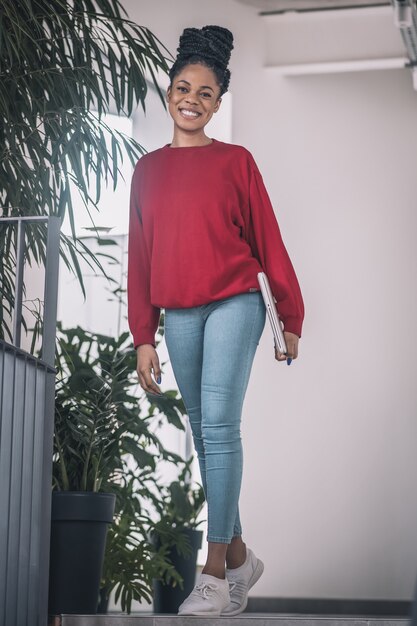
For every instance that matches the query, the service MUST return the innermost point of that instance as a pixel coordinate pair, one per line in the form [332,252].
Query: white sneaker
[209,597]
[241,579]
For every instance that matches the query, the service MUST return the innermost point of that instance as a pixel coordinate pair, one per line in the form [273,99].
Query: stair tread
[257,619]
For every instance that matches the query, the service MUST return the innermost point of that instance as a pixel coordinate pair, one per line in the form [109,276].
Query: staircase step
[246,619]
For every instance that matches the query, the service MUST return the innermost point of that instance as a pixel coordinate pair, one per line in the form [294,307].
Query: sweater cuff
[293,325]
[144,335]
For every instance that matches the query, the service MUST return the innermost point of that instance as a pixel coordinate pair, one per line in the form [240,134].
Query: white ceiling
[305,5]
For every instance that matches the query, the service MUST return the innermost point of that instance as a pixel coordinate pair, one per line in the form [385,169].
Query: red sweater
[201,227]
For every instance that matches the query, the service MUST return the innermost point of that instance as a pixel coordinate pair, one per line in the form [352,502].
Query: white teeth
[189,113]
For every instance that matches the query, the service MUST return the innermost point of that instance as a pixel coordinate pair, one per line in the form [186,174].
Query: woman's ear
[168,94]
[217,105]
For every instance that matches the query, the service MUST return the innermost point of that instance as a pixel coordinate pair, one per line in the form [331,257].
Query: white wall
[341,425]
[335,436]
[329,500]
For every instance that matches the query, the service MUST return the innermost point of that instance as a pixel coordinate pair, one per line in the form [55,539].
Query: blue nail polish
[289,361]
[158,380]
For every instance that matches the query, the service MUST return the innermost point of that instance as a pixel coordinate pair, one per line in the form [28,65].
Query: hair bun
[210,42]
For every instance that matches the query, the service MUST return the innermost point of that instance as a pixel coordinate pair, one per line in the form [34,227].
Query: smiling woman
[198,81]
[193,97]
[196,245]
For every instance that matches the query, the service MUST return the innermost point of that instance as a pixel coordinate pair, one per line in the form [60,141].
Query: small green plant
[105,441]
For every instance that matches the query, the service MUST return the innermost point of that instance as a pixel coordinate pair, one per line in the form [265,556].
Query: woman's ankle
[236,553]
[216,557]
[217,572]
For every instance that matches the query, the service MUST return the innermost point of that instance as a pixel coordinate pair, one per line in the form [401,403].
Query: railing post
[51,290]
[20,262]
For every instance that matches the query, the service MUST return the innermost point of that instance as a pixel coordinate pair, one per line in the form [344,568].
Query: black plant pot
[167,599]
[78,540]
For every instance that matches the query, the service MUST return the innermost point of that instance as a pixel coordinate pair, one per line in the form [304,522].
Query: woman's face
[194,97]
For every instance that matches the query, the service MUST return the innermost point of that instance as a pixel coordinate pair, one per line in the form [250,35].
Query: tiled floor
[246,619]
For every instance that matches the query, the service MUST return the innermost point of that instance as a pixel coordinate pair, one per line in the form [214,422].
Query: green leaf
[141,456]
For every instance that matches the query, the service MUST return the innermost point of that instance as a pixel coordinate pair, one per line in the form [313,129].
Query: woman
[201,228]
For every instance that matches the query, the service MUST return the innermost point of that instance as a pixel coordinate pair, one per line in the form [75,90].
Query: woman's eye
[182,88]
[206,94]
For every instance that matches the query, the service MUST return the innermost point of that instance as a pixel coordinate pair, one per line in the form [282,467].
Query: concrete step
[246,619]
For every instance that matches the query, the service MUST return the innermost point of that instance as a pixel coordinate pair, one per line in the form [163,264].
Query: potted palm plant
[63,66]
[177,531]
[105,455]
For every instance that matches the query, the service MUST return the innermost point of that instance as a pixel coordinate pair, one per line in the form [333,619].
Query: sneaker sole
[254,578]
[200,614]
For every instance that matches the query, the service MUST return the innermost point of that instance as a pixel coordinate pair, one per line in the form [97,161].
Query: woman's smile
[189,113]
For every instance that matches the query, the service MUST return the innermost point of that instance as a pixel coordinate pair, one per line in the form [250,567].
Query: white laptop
[272,312]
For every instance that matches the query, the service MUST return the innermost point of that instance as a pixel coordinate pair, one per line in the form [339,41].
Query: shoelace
[205,589]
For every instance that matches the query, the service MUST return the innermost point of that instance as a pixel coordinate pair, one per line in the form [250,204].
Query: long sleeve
[143,317]
[267,246]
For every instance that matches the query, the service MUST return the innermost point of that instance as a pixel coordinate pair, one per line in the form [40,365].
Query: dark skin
[192,101]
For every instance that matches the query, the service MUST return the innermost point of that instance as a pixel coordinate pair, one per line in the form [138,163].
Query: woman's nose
[191,98]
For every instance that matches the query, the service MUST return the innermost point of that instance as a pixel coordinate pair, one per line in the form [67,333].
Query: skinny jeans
[211,349]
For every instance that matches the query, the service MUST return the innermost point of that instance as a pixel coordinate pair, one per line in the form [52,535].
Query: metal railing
[26,436]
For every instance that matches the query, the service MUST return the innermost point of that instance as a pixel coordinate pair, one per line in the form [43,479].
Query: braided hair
[210,46]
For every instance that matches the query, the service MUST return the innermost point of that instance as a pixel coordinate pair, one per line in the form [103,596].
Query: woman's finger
[147,383]
[156,368]
[279,356]
[145,380]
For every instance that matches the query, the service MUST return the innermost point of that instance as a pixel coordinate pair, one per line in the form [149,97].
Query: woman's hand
[292,347]
[148,360]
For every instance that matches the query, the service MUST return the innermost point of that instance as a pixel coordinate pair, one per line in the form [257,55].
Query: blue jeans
[211,349]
